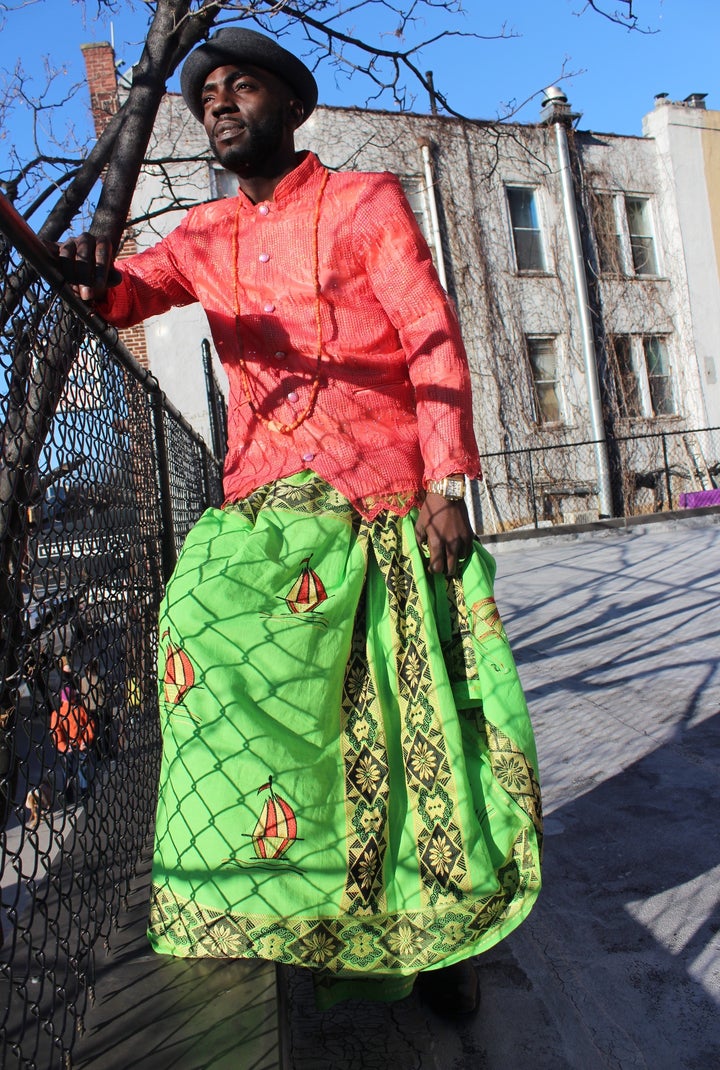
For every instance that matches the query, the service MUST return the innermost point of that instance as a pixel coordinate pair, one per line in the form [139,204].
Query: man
[349,775]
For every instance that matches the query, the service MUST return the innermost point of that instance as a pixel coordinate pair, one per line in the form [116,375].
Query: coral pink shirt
[393,407]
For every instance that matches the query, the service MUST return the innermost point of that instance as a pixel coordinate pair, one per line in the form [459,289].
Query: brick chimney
[102,82]
[104,102]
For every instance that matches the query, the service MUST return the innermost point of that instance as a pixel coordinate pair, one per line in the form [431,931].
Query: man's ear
[296,112]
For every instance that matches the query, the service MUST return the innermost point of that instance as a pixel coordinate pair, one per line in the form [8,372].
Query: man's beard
[258,143]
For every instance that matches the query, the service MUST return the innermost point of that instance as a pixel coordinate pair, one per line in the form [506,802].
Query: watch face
[449,487]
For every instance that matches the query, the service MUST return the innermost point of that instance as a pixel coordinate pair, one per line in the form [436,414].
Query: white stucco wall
[688,147]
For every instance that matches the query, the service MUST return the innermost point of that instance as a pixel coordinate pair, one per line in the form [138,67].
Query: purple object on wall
[696,499]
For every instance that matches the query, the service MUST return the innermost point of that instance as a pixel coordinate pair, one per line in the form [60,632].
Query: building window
[222,183]
[542,354]
[658,373]
[414,189]
[607,234]
[626,378]
[526,228]
[642,242]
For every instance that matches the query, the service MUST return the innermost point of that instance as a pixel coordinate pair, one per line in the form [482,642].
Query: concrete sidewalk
[617,635]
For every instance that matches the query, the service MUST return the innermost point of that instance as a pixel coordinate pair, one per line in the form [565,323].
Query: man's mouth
[226,130]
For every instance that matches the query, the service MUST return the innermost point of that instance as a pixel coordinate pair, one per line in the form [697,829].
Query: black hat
[235,45]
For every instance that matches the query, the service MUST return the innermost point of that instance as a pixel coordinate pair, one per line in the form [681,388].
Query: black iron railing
[557,484]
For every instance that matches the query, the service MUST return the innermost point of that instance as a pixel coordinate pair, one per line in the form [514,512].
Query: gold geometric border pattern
[402,943]
[316,497]
[514,773]
[429,778]
[366,781]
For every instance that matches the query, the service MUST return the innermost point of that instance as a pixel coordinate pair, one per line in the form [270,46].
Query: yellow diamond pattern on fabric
[366,781]
[515,774]
[440,849]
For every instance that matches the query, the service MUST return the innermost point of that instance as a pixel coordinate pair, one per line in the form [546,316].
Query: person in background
[73,733]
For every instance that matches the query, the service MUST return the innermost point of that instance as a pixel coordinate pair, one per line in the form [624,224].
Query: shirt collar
[307,169]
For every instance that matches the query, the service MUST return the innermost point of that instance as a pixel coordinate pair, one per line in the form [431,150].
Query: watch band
[451,487]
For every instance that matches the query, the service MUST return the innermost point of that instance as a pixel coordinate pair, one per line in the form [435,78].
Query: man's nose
[223,102]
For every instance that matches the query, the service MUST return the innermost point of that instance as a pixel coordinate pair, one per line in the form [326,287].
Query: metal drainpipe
[471,499]
[434,221]
[583,303]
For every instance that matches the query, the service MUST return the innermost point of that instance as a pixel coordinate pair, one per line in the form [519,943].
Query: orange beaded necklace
[275,425]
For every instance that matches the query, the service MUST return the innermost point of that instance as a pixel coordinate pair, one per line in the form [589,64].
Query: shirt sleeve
[405,282]
[151,282]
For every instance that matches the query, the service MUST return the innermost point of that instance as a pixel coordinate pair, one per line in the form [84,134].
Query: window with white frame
[542,355]
[640,231]
[525,222]
[627,383]
[624,235]
[642,373]
[658,375]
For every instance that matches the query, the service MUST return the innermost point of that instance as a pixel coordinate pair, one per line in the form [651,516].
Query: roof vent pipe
[556,108]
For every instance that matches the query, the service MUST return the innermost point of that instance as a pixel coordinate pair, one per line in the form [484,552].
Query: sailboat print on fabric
[306,594]
[487,625]
[275,832]
[178,677]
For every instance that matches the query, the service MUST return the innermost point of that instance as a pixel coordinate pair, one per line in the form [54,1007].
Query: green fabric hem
[332,990]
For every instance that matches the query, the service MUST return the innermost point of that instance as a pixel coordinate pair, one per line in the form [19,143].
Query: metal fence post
[215,419]
[668,481]
[167,538]
[532,489]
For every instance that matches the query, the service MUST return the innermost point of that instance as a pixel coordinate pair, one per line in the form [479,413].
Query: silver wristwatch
[451,487]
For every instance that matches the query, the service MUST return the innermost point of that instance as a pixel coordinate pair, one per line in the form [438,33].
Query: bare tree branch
[624,17]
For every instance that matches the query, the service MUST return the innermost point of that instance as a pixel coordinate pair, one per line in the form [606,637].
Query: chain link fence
[100,481]
[557,484]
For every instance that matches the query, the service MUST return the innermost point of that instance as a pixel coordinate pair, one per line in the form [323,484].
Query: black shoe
[453,991]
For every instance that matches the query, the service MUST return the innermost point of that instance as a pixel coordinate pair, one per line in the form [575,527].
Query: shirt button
[280,355]
[263,209]
[293,395]
[264,257]
[308,457]
[268,307]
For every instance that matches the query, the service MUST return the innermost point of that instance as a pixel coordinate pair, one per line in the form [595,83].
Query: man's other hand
[444,526]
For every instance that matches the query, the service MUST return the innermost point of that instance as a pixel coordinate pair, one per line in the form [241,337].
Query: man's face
[249,116]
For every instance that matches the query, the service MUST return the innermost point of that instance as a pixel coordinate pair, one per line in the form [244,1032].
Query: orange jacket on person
[388,404]
[71,726]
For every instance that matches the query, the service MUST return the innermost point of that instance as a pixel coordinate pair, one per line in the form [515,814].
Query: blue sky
[616,73]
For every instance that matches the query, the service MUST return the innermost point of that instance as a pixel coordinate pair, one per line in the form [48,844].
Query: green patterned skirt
[349,778]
